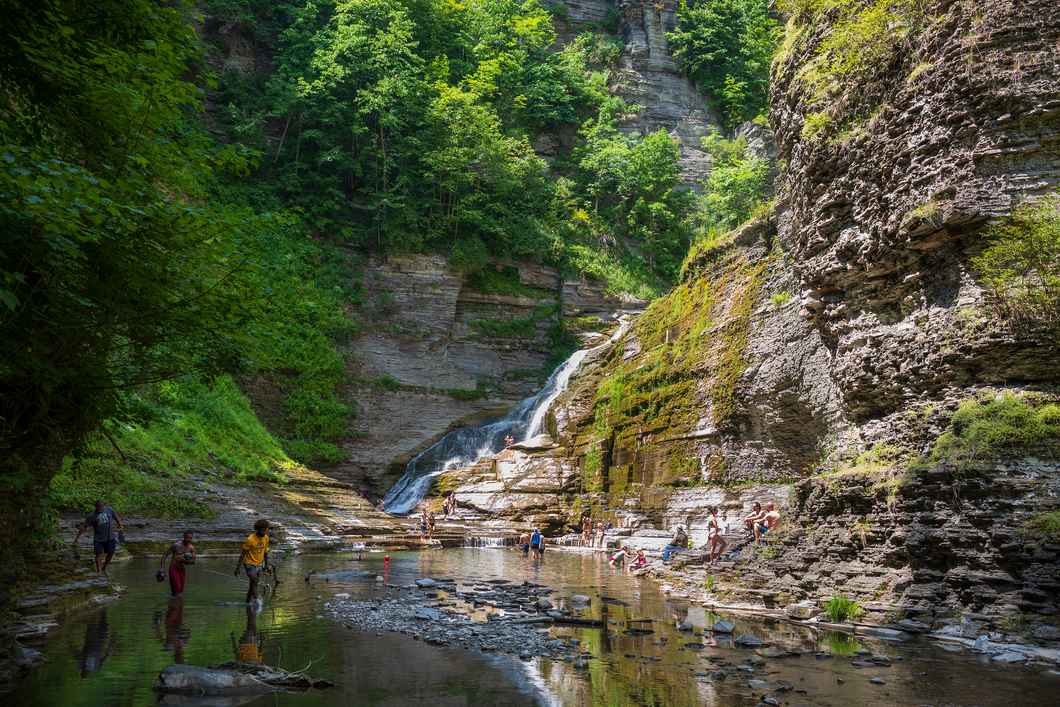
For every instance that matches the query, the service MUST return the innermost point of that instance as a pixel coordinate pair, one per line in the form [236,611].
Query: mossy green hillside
[206,433]
[692,353]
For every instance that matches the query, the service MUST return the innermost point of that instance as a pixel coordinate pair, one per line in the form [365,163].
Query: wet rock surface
[451,621]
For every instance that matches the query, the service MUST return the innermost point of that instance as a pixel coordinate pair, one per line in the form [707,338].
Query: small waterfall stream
[468,445]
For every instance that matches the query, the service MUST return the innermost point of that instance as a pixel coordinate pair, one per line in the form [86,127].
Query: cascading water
[470,444]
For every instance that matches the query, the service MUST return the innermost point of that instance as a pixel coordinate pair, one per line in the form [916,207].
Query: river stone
[758,684]
[580,599]
[686,626]
[981,644]
[543,604]
[525,655]
[771,701]
[426,613]
[881,659]
[378,578]
[188,679]
[862,651]
[718,675]
[340,597]
[749,641]
[877,681]
[581,664]
[1010,657]
[723,627]
[424,583]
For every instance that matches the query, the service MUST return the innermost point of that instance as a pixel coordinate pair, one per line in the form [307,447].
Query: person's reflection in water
[249,647]
[176,638]
[99,644]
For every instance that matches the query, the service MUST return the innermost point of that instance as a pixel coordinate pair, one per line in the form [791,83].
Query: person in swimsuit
[619,557]
[600,534]
[535,543]
[769,522]
[524,542]
[639,561]
[587,532]
[184,554]
[756,516]
[423,523]
[430,525]
[717,542]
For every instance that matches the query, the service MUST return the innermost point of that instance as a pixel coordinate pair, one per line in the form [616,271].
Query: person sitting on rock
[757,515]
[769,522]
[679,542]
[509,441]
[639,561]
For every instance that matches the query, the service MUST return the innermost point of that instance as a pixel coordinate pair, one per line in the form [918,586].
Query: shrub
[840,608]
[1021,267]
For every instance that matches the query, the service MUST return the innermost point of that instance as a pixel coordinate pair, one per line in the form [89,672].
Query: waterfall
[470,444]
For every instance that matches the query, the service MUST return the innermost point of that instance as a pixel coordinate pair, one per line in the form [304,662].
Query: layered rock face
[438,354]
[648,75]
[852,322]
[880,219]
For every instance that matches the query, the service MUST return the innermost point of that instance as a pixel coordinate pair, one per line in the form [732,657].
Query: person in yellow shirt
[255,558]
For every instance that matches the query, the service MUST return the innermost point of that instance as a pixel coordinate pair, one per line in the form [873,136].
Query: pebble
[877,681]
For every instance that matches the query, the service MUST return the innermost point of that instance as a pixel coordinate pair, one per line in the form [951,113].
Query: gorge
[847,349]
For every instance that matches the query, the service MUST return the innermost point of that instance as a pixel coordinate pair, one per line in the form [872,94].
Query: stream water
[468,445]
[112,655]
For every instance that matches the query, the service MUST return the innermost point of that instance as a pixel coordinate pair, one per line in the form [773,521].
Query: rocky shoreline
[437,612]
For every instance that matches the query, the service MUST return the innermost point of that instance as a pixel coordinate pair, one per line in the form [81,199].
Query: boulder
[802,610]
[543,604]
[686,626]
[425,583]
[188,679]
[580,599]
[723,627]
[749,641]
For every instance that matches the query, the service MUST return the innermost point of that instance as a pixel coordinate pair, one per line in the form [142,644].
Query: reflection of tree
[251,645]
[99,644]
[176,638]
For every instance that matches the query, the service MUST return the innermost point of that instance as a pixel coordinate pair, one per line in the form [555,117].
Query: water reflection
[640,659]
[170,630]
[249,647]
[99,644]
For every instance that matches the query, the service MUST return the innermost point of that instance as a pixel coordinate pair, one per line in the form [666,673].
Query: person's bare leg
[99,564]
[106,564]
[252,590]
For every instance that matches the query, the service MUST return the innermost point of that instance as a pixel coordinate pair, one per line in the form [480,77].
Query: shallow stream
[112,655]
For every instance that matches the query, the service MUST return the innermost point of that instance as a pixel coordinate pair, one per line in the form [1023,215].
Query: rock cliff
[827,348]
[439,354]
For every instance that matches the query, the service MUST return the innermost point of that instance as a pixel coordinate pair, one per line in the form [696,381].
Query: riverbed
[113,654]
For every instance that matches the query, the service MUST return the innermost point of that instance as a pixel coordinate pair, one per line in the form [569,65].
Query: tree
[111,275]
[728,45]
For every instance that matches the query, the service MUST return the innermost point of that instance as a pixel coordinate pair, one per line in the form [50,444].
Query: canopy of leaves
[405,126]
[727,45]
[110,275]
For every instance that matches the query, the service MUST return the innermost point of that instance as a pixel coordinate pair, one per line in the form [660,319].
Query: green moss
[490,281]
[489,329]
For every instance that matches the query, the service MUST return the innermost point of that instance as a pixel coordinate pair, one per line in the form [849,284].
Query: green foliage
[387,382]
[727,45]
[201,433]
[840,608]
[985,426]
[1021,267]
[522,328]
[736,186]
[490,281]
[1046,523]
[113,277]
[864,53]
[779,299]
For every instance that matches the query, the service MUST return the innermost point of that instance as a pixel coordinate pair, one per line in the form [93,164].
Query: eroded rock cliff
[827,348]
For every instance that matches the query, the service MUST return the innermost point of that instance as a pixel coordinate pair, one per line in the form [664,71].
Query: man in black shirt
[103,539]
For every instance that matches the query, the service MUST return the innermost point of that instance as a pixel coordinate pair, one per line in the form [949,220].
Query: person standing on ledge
[183,553]
[103,540]
[256,556]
